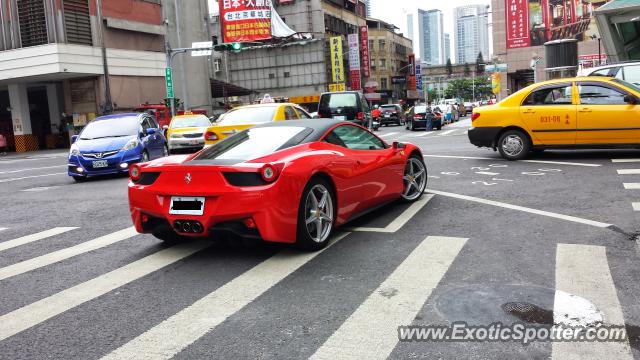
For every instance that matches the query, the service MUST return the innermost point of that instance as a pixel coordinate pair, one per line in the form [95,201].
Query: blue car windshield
[126,126]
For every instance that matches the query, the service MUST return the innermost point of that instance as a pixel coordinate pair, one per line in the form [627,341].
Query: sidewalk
[40,154]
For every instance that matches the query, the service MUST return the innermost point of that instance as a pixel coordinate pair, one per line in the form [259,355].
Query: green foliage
[479,62]
[467,70]
[464,88]
[449,67]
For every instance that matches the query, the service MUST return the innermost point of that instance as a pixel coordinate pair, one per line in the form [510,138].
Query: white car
[627,71]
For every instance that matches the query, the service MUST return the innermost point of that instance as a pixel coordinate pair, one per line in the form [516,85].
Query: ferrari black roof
[319,126]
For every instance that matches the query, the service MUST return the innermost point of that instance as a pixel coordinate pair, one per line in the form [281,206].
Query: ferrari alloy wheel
[316,215]
[414,179]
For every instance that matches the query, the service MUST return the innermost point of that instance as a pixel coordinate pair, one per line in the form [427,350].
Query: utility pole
[185,95]
[108,104]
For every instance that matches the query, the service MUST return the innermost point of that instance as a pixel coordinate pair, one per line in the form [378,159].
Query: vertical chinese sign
[517,24]
[418,76]
[364,43]
[337,68]
[245,20]
[411,80]
[354,61]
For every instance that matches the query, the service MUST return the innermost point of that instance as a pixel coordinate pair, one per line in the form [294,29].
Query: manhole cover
[529,312]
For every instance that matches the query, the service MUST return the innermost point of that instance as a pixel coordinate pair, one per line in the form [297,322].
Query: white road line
[636,206]
[522,208]
[446,132]
[425,133]
[180,330]
[629,172]
[402,219]
[34,237]
[40,188]
[3,229]
[63,254]
[625,160]
[527,161]
[30,177]
[486,173]
[31,169]
[631,186]
[371,332]
[583,270]
[389,134]
[41,310]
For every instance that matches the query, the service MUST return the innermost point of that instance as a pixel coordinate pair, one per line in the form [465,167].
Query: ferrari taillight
[211,136]
[134,172]
[269,173]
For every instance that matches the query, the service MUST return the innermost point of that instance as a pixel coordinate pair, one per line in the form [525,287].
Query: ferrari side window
[356,138]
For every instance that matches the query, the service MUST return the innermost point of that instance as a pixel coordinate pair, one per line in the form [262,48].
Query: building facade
[431,35]
[62,63]
[410,26]
[516,42]
[471,32]
[447,47]
[389,52]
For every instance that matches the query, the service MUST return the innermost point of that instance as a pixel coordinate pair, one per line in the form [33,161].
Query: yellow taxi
[186,132]
[582,112]
[244,117]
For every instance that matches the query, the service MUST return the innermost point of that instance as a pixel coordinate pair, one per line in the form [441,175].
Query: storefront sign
[244,21]
[418,76]
[364,43]
[337,68]
[411,85]
[491,68]
[337,87]
[354,62]
[518,34]
[305,99]
[496,79]
[398,80]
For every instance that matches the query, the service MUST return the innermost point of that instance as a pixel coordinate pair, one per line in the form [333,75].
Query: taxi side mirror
[630,99]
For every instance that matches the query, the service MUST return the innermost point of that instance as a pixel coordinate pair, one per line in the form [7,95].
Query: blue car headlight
[74,151]
[132,144]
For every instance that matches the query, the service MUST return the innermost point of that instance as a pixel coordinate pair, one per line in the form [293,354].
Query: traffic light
[235,47]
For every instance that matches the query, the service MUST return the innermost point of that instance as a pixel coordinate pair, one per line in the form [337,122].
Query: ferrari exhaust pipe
[196,227]
[186,227]
[177,226]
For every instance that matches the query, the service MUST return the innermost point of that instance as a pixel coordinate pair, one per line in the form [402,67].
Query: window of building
[287,74]
[383,83]
[371,42]
[272,76]
[383,63]
[382,44]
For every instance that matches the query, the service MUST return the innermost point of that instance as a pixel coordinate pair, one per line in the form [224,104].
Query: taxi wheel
[514,145]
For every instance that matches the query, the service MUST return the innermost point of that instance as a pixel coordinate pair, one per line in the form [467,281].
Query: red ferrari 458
[288,181]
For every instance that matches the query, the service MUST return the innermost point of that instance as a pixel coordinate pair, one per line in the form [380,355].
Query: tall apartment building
[471,32]
[410,26]
[367,4]
[431,35]
[447,48]
[52,65]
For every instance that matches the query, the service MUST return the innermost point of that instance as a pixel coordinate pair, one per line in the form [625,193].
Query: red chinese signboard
[364,43]
[518,34]
[411,79]
[354,77]
[245,20]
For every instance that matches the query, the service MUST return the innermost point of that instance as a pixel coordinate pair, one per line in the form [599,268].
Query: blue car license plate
[100,164]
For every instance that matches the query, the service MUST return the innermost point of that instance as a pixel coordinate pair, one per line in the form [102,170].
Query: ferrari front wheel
[316,215]
[414,179]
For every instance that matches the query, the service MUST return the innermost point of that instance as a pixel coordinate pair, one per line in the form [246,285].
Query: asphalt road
[554,235]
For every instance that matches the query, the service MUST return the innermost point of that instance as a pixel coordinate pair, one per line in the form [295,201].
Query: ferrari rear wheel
[316,215]
[414,179]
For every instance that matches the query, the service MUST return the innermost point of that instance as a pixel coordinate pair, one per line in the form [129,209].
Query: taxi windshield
[249,115]
[190,121]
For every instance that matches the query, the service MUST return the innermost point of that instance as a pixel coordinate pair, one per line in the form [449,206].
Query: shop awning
[220,89]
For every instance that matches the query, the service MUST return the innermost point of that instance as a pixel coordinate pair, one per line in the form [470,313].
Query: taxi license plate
[339,117]
[100,164]
[195,142]
[183,205]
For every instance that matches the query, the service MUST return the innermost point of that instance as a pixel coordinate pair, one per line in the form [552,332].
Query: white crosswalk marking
[30,177]
[31,169]
[371,331]
[33,237]
[399,221]
[48,259]
[426,133]
[631,186]
[39,311]
[583,270]
[182,329]
[3,229]
[629,172]
[625,160]
[388,134]
[636,206]
[446,132]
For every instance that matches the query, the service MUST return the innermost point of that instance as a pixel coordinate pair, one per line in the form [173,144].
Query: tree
[449,67]
[465,88]
[467,70]
[479,64]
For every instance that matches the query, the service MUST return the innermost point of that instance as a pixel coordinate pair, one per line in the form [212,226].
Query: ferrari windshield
[254,143]
[249,115]
[119,127]
[190,121]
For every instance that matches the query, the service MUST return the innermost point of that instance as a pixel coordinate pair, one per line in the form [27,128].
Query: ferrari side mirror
[398,145]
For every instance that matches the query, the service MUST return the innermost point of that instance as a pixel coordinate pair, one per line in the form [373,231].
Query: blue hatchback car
[109,144]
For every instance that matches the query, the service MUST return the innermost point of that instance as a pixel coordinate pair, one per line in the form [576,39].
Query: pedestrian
[3,145]
[375,114]
[462,110]
[454,111]
[449,113]
[429,116]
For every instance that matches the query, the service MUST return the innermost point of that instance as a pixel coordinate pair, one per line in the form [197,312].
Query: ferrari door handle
[585,110]
[529,111]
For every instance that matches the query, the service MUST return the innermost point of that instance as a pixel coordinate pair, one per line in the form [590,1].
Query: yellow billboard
[337,68]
